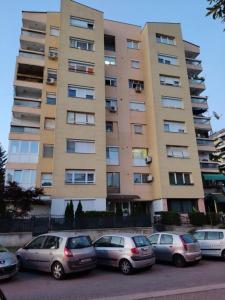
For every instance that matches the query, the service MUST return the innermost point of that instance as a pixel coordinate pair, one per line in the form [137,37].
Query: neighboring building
[102,113]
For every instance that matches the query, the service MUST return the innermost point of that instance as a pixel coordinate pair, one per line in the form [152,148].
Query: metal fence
[39,225]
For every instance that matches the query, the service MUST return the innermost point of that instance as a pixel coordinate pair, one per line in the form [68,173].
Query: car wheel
[58,271]
[223,255]
[179,261]
[125,267]
[20,264]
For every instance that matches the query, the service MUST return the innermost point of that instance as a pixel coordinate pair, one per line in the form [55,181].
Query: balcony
[199,103]
[24,129]
[191,50]
[34,25]
[205,144]
[209,167]
[194,66]
[221,146]
[30,73]
[32,46]
[202,123]
[27,93]
[197,85]
[32,36]
[25,119]
[30,57]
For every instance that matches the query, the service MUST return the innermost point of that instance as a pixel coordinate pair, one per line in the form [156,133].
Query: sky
[197,28]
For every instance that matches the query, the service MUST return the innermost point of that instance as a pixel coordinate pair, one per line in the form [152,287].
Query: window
[80,118]
[49,123]
[167,59]
[46,179]
[188,238]
[48,150]
[177,151]
[111,81]
[214,235]
[51,98]
[111,104]
[139,155]
[81,44]
[182,206]
[140,177]
[117,242]
[135,64]
[199,235]
[141,241]
[52,242]
[81,92]
[166,239]
[138,106]
[23,147]
[54,30]
[113,179]
[24,178]
[173,126]
[131,44]
[80,67]
[103,242]
[172,102]
[79,242]
[109,42]
[83,23]
[52,73]
[27,103]
[110,60]
[169,80]
[179,178]
[109,126]
[112,155]
[138,128]
[80,176]
[53,52]
[80,146]
[165,39]
[36,243]
[135,84]
[154,239]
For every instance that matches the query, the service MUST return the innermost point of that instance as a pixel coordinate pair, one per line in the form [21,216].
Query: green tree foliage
[79,211]
[216,9]
[2,181]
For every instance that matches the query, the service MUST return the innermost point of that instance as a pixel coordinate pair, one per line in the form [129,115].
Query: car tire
[223,255]
[179,261]
[125,267]
[20,264]
[58,271]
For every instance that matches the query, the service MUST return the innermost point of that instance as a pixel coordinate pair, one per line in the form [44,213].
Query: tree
[2,181]
[69,214]
[216,9]
[79,211]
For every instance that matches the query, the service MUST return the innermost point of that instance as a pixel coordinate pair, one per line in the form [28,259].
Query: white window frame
[82,23]
[165,39]
[141,176]
[88,118]
[110,60]
[170,102]
[135,64]
[170,80]
[111,102]
[140,160]
[136,106]
[54,31]
[172,124]
[112,81]
[73,172]
[168,59]
[110,161]
[31,178]
[140,130]
[81,143]
[49,180]
[50,121]
[177,151]
[80,66]
[87,93]
[74,43]
[132,44]
[183,177]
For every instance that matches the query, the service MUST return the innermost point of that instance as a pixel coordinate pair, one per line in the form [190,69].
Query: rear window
[78,242]
[141,241]
[188,239]
[214,235]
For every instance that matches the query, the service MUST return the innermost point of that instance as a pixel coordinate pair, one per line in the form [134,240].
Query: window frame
[111,80]
[88,67]
[74,41]
[159,39]
[46,180]
[168,98]
[92,142]
[109,161]
[89,21]
[74,172]
[176,178]
[131,43]
[164,60]
[80,88]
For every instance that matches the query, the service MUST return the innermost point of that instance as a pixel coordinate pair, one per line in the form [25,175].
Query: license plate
[85,260]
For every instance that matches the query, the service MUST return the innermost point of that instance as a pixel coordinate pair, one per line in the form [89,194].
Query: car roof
[211,229]
[125,235]
[170,232]
[64,234]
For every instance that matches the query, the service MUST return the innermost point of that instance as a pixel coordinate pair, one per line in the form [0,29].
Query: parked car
[212,242]
[8,263]
[59,253]
[124,251]
[174,247]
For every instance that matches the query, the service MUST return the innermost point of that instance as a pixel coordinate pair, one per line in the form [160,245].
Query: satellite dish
[216,115]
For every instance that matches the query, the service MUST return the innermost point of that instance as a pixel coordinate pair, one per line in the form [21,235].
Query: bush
[79,211]
[93,213]
[197,218]
[170,218]
[213,219]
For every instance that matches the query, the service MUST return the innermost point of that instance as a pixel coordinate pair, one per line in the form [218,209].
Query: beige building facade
[107,113]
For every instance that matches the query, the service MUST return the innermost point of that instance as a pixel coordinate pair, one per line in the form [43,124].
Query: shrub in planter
[213,219]
[170,218]
[197,218]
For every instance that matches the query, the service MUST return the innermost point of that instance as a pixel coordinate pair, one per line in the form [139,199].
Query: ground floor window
[182,205]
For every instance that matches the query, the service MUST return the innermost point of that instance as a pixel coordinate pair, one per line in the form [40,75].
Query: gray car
[8,263]
[212,242]
[174,247]
[59,253]
[124,251]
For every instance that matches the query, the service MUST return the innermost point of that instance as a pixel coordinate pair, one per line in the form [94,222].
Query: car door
[31,251]
[101,247]
[214,241]
[115,250]
[46,254]
[200,237]
[154,238]
[165,247]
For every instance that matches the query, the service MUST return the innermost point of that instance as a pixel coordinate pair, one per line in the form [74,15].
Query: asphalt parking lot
[103,283]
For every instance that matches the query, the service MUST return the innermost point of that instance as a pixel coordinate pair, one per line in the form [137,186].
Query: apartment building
[108,113]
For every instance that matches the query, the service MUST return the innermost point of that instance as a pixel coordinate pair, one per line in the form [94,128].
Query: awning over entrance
[122,198]
[216,177]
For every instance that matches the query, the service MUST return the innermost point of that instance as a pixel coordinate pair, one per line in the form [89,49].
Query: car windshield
[188,239]
[79,242]
[2,249]
[141,241]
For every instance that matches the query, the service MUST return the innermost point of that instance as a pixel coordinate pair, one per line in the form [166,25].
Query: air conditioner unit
[53,55]
[51,80]
[138,88]
[113,108]
[150,178]
[148,159]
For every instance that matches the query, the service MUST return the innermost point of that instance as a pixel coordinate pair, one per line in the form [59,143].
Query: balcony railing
[27,103]
[205,165]
[199,100]
[205,142]
[202,121]
[197,81]
[23,129]
[194,62]
[33,34]
[31,55]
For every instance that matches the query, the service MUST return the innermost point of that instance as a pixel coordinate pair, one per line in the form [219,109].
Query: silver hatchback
[124,251]
[8,263]
[174,247]
[59,253]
